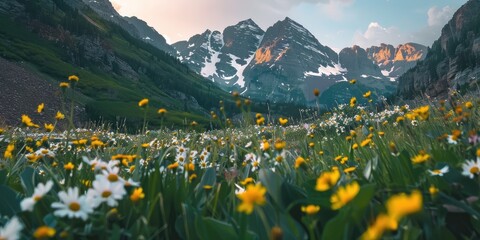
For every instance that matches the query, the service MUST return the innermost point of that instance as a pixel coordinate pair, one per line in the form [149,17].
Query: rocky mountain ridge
[453,62]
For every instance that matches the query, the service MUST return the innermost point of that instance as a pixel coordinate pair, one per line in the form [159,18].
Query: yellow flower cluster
[397,206]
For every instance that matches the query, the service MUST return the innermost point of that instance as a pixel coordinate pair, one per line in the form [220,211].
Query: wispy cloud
[376,34]
[439,16]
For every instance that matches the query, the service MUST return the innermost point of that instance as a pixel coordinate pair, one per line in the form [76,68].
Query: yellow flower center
[37,198]
[112,177]
[74,206]
[474,170]
[436,171]
[106,194]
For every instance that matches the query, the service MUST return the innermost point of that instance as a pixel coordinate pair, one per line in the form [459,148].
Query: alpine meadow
[113,127]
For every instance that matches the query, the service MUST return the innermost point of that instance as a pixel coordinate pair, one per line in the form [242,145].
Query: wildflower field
[403,172]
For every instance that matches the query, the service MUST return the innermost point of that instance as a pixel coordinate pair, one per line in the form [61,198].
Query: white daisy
[181,157]
[439,172]
[111,173]
[250,157]
[11,230]
[43,152]
[256,164]
[72,205]
[96,164]
[27,204]
[106,191]
[451,140]
[471,168]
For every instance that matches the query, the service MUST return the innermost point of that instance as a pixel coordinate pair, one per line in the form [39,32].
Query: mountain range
[285,62]
[282,63]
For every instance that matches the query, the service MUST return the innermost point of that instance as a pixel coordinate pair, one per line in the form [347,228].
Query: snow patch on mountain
[366,76]
[327,71]
[387,73]
[210,67]
[240,69]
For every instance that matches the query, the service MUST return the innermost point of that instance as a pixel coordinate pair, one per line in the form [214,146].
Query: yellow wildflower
[173,166]
[300,161]
[344,195]
[421,157]
[382,222]
[401,205]
[59,116]
[44,232]
[253,195]
[8,152]
[433,190]
[49,127]
[366,142]
[28,121]
[316,92]
[73,78]
[353,101]
[310,209]
[349,170]
[96,143]
[162,111]
[423,112]
[64,84]
[40,107]
[353,81]
[69,166]
[143,102]
[279,145]
[283,121]
[469,105]
[137,195]
[246,181]
[260,121]
[367,94]
[327,180]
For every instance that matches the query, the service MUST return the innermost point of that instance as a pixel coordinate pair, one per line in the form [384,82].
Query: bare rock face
[453,62]
[356,61]
[393,62]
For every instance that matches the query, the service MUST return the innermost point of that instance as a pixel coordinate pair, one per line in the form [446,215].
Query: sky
[335,23]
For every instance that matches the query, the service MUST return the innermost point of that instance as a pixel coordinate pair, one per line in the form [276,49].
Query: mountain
[286,62]
[222,57]
[453,62]
[136,27]
[52,39]
[150,35]
[394,62]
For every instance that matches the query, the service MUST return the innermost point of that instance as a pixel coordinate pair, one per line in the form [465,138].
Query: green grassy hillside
[56,39]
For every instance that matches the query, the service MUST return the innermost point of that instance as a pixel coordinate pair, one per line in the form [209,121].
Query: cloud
[426,35]
[335,9]
[377,34]
[439,16]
